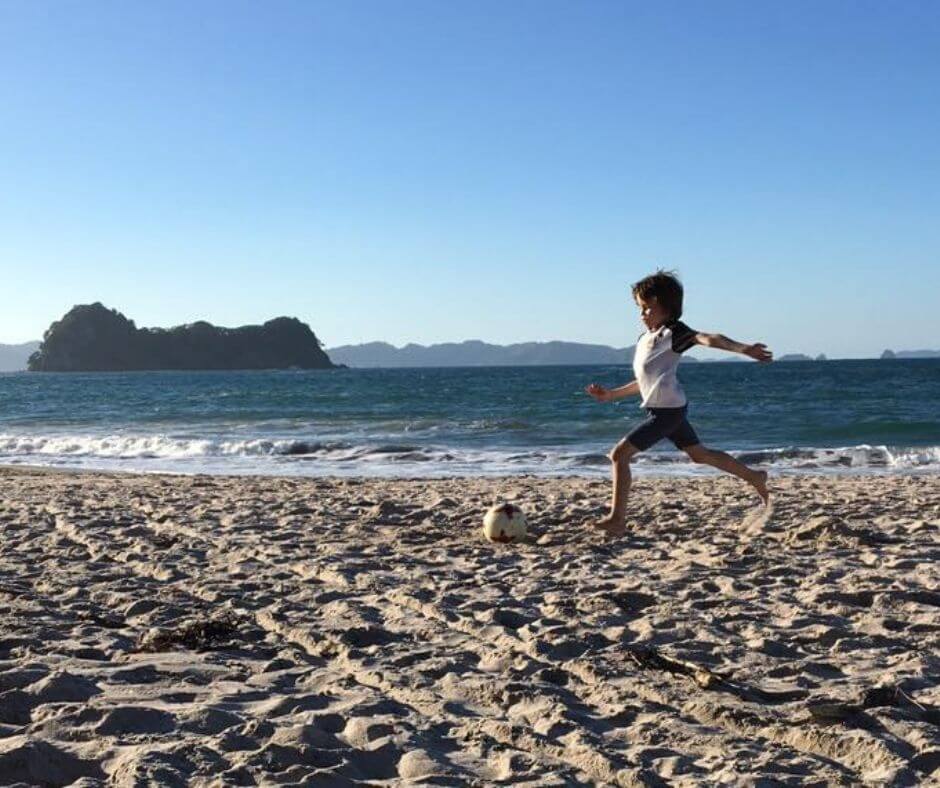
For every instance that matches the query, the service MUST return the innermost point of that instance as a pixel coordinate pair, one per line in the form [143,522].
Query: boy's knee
[622,452]
[697,453]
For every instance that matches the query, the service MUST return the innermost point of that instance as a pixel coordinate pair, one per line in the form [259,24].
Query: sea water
[832,417]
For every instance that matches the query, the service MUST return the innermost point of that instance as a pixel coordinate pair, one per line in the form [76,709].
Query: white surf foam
[279,455]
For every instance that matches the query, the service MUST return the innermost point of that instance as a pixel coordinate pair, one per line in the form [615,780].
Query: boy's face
[651,313]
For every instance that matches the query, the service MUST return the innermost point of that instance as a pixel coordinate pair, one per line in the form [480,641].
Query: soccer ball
[504,523]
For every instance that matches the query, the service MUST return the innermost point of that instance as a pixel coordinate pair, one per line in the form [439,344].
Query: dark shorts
[664,423]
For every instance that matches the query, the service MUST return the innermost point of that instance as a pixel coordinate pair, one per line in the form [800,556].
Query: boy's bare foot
[611,525]
[760,484]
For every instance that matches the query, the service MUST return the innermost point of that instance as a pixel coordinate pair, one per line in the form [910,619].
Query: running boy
[655,360]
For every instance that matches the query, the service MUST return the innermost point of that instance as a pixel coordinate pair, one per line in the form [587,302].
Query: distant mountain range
[474,353]
[888,354]
[13,358]
[801,357]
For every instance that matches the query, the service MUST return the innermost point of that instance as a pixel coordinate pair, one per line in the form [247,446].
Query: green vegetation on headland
[93,338]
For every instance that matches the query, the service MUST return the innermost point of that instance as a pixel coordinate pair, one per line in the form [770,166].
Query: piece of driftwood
[652,659]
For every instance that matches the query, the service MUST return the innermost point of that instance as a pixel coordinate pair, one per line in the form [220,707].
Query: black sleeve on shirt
[683,337]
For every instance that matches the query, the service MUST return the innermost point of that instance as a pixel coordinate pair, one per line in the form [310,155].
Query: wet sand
[258,631]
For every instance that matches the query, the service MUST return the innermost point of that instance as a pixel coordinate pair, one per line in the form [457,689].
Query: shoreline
[256,629]
[641,472]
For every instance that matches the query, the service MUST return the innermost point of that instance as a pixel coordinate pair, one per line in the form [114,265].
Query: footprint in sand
[758,520]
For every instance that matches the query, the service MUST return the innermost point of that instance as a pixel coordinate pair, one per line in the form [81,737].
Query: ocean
[823,417]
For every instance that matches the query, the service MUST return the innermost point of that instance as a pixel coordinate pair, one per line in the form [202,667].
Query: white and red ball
[504,522]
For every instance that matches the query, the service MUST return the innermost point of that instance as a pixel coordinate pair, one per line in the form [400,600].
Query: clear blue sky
[437,171]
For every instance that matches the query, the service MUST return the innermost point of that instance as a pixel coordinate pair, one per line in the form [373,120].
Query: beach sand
[171,630]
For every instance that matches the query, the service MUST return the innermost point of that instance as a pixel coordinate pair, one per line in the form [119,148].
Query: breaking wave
[278,456]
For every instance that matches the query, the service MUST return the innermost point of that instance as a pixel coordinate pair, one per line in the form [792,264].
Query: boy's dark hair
[665,287]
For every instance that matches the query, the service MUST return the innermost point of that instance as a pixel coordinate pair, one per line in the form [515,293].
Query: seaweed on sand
[196,635]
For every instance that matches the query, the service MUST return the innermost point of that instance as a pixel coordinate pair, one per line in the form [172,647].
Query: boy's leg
[661,422]
[616,522]
[727,463]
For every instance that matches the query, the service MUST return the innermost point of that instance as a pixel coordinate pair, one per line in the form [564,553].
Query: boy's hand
[599,392]
[759,352]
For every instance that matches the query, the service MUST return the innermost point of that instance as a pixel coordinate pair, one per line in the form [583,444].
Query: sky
[416,171]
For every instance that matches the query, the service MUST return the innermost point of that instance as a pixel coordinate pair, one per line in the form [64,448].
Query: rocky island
[93,338]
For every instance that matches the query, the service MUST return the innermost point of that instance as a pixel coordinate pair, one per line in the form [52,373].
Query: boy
[655,360]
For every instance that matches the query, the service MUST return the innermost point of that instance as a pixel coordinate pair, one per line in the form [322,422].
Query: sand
[162,630]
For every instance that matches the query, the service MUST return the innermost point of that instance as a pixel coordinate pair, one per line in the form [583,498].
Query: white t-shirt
[655,360]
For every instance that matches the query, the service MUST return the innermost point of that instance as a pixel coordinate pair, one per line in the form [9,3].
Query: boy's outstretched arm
[608,395]
[757,351]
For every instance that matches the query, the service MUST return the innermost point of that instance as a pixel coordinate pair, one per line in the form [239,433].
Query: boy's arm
[757,351]
[608,395]
[630,389]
